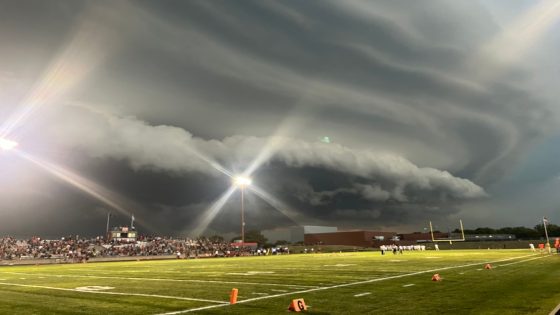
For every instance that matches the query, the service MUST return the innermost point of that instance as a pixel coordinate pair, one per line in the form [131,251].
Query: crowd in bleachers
[79,249]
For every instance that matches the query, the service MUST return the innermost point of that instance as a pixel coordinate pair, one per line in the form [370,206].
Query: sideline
[517,262]
[345,285]
[555,311]
[157,279]
[113,293]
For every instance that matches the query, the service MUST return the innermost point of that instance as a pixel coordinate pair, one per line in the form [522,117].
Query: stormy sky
[379,115]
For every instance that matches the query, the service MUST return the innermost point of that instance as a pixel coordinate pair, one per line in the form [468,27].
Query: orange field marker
[297,305]
[436,277]
[233,296]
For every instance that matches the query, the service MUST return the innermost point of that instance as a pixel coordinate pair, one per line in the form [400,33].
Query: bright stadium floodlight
[241,182]
[6,144]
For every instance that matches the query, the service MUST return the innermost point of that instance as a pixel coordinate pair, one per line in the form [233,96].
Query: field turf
[520,282]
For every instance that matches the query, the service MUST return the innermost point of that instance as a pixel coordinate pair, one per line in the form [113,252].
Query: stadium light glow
[242,181]
[6,144]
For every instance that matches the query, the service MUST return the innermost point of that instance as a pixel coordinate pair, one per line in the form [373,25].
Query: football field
[520,282]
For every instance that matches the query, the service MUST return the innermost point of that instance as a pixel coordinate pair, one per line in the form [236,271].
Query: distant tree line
[251,236]
[520,232]
[256,236]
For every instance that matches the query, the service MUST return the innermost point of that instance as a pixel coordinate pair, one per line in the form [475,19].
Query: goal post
[449,239]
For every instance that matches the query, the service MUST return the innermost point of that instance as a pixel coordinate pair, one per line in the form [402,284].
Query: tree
[520,232]
[253,236]
[485,230]
[553,229]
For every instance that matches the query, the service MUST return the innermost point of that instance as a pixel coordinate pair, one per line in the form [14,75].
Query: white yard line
[192,310]
[341,285]
[113,293]
[362,294]
[517,262]
[162,279]
[408,285]
[555,311]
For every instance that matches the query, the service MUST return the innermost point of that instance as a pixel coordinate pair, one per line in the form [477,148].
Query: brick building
[351,238]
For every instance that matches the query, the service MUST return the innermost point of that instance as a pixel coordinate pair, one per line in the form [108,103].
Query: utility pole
[547,245]
[242,217]
[107,230]
[432,231]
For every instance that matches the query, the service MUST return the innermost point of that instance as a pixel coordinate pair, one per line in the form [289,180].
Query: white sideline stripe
[362,294]
[408,285]
[163,279]
[556,310]
[341,285]
[112,293]
[513,263]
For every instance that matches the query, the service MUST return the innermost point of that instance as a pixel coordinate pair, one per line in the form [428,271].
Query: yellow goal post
[450,240]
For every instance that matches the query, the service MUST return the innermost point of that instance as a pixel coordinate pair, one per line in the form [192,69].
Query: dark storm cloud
[173,149]
[345,200]
[194,183]
[343,63]
[416,129]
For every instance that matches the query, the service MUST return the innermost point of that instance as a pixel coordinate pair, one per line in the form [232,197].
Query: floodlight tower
[242,182]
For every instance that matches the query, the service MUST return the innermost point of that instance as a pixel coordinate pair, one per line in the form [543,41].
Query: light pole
[241,182]
[107,230]
[547,246]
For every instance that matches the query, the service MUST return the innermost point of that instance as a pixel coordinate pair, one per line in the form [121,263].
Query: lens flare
[278,205]
[211,162]
[516,39]
[208,216]
[91,188]
[83,52]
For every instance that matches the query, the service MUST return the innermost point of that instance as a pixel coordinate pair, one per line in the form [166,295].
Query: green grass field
[521,282]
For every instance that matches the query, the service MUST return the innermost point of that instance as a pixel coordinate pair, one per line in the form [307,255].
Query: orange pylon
[436,277]
[297,305]
[487,266]
[233,296]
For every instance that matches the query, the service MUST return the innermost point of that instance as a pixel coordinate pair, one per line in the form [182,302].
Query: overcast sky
[379,115]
